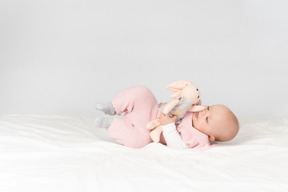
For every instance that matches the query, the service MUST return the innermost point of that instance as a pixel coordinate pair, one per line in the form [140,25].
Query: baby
[139,106]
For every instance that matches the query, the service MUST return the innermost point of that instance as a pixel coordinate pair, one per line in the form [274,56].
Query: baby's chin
[194,118]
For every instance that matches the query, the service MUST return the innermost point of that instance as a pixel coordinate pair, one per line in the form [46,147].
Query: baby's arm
[172,137]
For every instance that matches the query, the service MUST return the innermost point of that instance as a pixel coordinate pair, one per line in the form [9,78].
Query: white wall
[63,56]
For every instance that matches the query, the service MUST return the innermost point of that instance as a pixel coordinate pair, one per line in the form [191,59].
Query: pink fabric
[191,136]
[140,106]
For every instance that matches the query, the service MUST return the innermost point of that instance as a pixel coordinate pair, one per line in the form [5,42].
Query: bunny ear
[175,94]
[178,85]
[196,108]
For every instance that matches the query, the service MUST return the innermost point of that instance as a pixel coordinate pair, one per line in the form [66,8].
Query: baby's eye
[206,119]
[208,108]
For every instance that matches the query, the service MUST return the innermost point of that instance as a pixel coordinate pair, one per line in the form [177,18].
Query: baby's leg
[103,121]
[140,106]
[107,108]
[137,102]
[127,134]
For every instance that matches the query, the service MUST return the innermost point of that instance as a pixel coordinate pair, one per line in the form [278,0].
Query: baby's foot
[107,108]
[103,122]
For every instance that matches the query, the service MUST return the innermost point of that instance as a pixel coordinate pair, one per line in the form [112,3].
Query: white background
[63,56]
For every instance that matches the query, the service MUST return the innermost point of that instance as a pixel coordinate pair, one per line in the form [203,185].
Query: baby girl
[139,106]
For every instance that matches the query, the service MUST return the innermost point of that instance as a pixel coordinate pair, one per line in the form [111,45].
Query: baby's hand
[166,119]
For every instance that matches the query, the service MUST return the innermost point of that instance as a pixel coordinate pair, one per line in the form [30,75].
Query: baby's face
[211,121]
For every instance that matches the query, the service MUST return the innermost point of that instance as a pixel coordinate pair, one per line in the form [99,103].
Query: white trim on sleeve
[172,137]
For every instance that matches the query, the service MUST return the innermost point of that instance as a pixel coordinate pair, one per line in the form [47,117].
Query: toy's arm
[157,128]
[169,106]
[155,134]
[196,108]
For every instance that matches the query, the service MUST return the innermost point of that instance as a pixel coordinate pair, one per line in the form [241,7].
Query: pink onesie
[140,106]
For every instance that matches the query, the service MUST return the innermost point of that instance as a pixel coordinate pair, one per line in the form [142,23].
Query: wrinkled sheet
[67,153]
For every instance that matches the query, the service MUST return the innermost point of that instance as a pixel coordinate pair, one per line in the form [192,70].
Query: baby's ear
[196,108]
[211,138]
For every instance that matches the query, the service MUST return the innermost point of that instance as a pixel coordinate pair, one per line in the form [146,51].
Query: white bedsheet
[67,153]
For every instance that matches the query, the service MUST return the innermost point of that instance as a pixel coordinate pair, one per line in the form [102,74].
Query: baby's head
[216,121]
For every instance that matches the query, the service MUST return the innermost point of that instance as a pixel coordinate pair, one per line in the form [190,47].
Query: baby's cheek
[194,123]
[197,124]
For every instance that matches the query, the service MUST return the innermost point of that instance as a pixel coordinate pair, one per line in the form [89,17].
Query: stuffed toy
[186,97]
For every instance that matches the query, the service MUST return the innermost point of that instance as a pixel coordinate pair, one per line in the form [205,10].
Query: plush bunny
[185,96]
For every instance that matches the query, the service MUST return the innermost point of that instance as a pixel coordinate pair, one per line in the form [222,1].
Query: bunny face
[185,89]
[191,92]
